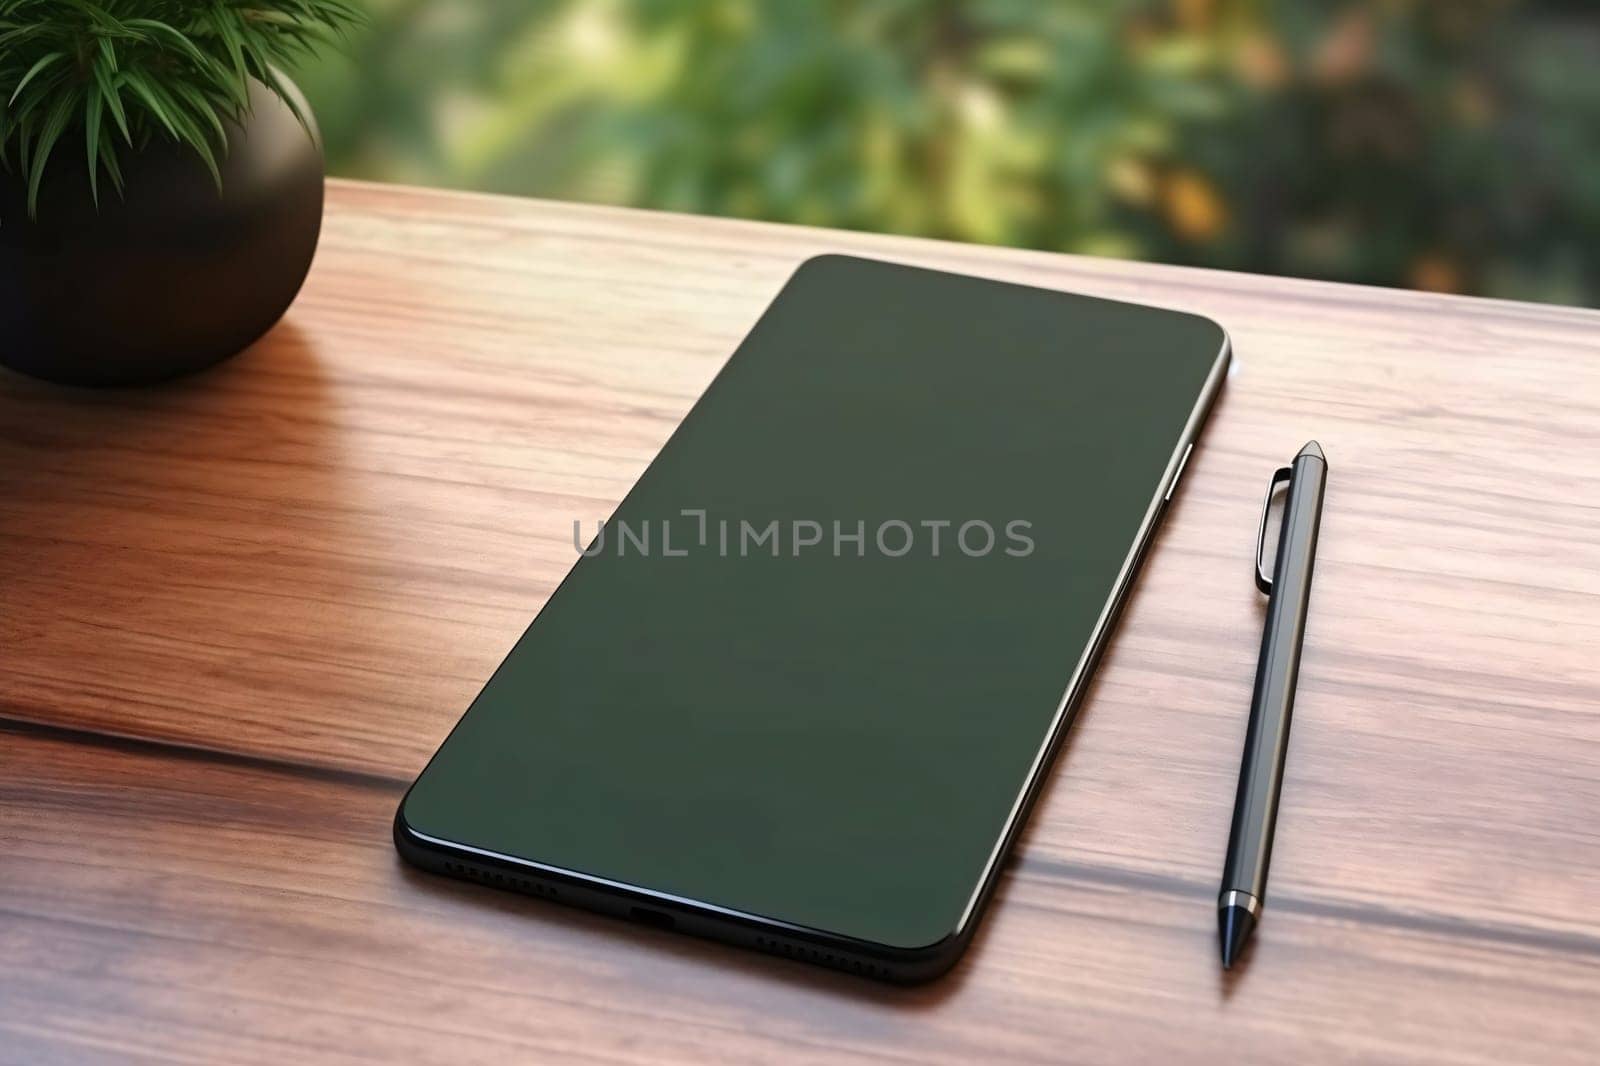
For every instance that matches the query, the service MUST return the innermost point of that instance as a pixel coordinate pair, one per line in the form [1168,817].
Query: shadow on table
[270,397]
[138,522]
[726,958]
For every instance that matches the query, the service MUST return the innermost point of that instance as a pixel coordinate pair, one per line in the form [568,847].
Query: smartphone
[799,691]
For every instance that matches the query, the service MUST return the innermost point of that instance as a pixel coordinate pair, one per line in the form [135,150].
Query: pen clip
[1283,475]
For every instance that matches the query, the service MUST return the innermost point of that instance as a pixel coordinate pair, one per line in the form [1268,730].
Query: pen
[1266,742]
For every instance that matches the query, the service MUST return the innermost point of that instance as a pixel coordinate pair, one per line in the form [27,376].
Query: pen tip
[1235,924]
[1313,448]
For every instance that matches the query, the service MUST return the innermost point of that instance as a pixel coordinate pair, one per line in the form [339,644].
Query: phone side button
[1177,475]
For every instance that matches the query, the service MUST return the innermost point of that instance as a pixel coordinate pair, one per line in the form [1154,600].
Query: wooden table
[238,613]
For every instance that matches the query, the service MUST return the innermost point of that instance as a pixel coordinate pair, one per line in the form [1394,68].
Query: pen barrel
[1266,743]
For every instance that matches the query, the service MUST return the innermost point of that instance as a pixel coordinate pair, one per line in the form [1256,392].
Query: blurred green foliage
[1443,144]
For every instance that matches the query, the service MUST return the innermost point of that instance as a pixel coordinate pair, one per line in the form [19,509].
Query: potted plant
[160,180]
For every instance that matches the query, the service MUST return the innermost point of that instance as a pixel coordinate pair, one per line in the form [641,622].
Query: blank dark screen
[836,740]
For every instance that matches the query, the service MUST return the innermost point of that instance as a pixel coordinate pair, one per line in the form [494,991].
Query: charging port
[658,919]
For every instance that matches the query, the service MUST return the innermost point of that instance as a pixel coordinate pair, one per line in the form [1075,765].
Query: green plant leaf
[141,87]
[274,80]
[108,87]
[163,33]
[91,134]
[201,107]
[224,25]
[187,128]
[44,63]
[125,71]
[108,52]
[113,169]
[53,125]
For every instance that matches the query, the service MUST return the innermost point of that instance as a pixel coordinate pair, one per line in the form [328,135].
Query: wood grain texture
[286,578]
[240,913]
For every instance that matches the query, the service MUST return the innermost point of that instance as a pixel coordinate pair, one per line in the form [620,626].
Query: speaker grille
[790,949]
[500,879]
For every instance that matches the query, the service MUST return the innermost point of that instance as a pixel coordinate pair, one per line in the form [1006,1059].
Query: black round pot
[173,275]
